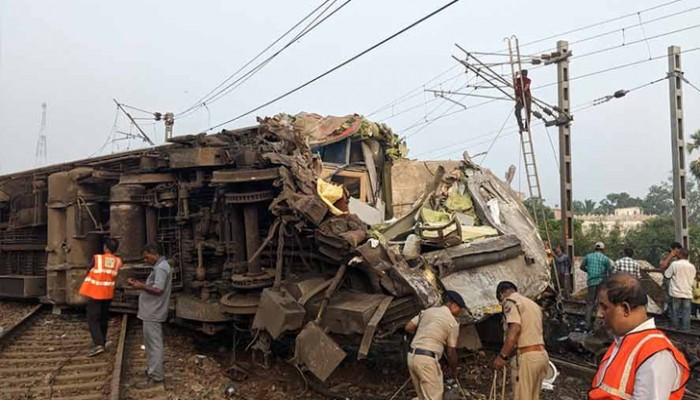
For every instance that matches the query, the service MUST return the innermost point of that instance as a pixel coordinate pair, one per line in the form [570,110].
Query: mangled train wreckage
[287,228]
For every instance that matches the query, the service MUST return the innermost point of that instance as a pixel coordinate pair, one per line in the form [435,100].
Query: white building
[624,218]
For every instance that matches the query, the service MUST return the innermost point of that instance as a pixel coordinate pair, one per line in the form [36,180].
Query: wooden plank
[372,327]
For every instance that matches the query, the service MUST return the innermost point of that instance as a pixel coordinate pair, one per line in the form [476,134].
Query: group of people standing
[641,363]
[681,281]
[154,298]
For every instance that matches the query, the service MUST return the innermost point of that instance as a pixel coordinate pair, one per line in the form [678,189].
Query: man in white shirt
[642,363]
[681,275]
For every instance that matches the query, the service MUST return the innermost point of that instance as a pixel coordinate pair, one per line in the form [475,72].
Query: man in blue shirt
[153,311]
[597,265]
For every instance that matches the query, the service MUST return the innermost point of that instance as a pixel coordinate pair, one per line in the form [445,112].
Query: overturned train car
[273,226]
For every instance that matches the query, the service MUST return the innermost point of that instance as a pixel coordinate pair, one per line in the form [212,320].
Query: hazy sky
[165,55]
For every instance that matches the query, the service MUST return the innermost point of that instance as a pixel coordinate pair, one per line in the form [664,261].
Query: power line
[583,28]
[689,83]
[199,102]
[411,108]
[425,118]
[629,26]
[619,46]
[571,79]
[240,81]
[137,109]
[109,136]
[510,112]
[337,67]
[645,39]
[602,23]
[579,108]
[418,89]
[614,68]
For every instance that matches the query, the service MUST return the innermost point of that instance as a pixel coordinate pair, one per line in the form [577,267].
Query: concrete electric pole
[40,157]
[567,210]
[675,80]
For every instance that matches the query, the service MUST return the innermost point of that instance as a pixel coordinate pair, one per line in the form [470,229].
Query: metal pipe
[252,237]
[151,225]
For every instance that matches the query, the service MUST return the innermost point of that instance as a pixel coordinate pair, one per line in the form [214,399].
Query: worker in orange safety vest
[641,363]
[98,287]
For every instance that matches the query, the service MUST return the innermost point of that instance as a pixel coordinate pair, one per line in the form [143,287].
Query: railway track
[134,367]
[578,308]
[44,356]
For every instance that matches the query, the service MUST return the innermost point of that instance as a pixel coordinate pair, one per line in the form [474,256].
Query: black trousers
[98,320]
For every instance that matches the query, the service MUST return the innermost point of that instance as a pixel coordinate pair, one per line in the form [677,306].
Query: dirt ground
[12,312]
[207,375]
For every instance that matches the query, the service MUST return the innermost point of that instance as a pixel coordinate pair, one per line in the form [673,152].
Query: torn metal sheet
[478,285]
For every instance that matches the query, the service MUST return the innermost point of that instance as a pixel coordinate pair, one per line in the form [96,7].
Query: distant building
[624,218]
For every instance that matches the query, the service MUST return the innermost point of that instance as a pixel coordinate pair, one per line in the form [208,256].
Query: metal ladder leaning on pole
[533,178]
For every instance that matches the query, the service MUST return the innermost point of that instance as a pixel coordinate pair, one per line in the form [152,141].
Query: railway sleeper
[38,370]
[56,388]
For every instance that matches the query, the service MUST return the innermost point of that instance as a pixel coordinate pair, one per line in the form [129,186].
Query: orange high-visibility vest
[99,282]
[618,380]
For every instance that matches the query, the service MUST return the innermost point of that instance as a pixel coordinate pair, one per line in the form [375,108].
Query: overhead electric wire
[337,67]
[579,77]
[510,112]
[618,46]
[601,23]
[249,74]
[240,81]
[413,107]
[425,117]
[551,144]
[614,68]
[690,83]
[645,39]
[198,102]
[630,26]
[583,28]
[581,107]
[109,135]
[137,109]
[619,30]
[419,89]
[430,121]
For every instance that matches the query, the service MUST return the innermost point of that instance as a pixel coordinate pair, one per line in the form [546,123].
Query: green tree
[694,145]
[589,206]
[652,239]
[659,200]
[617,200]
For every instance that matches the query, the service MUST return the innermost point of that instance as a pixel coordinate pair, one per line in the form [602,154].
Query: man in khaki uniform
[523,342]
[434,329]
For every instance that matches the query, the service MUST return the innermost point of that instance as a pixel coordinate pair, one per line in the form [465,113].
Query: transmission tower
[40,156]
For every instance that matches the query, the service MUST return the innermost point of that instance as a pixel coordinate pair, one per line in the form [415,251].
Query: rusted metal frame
[372,327]
[115,384]
[313,292]
[280,258]
[267,240]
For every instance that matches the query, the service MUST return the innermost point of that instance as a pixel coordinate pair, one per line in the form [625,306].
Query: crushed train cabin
[308,226]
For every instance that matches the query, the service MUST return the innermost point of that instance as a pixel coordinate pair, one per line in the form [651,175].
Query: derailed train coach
[302,225]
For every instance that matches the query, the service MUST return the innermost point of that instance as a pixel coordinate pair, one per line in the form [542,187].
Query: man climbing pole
[523,98]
